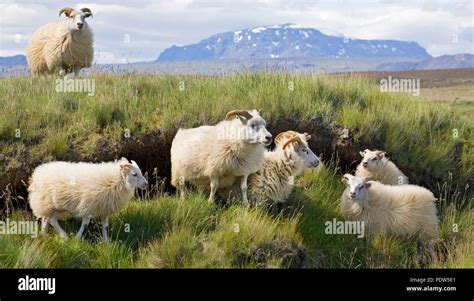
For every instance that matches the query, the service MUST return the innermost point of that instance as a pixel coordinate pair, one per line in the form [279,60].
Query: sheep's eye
[253,126]
[373,159]
[134,174]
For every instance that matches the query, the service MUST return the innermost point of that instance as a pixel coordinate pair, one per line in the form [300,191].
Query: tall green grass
[165,232]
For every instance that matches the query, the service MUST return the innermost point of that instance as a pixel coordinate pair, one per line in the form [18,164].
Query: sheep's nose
[352,194]
[268,137]
[365,163]
[80,25]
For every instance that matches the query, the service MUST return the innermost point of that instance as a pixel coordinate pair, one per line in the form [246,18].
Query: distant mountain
[9,61]
[289,41]
[463,60]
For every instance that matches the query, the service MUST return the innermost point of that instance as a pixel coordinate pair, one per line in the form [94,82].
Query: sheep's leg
[181,187]
[44,225]
[54,222]
[76,72]
[62,72]
[243,188]
[105,223]
[85,222]
[214,185]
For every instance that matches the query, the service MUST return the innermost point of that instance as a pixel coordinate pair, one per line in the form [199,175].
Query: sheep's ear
[125,166]
[243,120]
[381,154]
[362,154]
[368,184]
[345,178]
[307,136]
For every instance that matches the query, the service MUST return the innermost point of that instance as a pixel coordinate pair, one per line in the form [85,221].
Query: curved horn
[294,139]
[242,113]
[282,135]
[86,11]
[66,10]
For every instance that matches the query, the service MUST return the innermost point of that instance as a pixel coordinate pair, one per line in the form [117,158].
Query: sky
[139,30]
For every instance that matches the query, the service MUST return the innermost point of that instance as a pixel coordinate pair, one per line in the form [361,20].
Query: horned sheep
[64,190]
[273,182]
[376,166]
[62,47]
[217,156]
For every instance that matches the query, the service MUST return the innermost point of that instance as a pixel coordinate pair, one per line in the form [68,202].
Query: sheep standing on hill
[216,156]
[63,190]
[376,166]
[63,46]
[404,210]
[273,182]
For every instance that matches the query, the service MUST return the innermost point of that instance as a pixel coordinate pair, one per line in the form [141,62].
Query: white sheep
[63,46]
[64,190]
[402,210]
[216,156]
[273,182]
[376,166]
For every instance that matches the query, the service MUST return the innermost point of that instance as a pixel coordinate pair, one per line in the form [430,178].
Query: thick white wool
[65,190]
[404,210]
[54,47]
[382,170]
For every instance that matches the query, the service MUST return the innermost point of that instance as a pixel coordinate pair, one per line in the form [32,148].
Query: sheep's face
[76,19]
[133,175]
[357,188]
[371,160]
[298,151]
[255,130]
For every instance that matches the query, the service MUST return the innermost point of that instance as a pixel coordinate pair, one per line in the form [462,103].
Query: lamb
[216,156]
[376,166]
[63,46]
[273,182]
[64,190]
[403,210]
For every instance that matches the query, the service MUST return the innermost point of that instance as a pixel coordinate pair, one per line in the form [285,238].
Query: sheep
[64,190]
[403,210]
[216,156]
[63,46]
[273,182]
[376,166]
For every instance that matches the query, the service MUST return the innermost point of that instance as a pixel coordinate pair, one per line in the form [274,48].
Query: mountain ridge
[289,41]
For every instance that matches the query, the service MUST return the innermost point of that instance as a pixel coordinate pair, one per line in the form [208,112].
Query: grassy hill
[136,116]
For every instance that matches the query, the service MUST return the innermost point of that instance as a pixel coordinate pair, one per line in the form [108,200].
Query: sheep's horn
[242,113]
[294,139]
[283,134]
[86,10]
[67,11]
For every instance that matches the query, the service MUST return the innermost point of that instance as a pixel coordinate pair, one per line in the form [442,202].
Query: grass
[161,231]
[167,232]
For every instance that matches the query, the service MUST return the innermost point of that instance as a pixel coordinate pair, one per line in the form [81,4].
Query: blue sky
[138,30]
